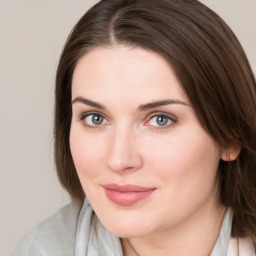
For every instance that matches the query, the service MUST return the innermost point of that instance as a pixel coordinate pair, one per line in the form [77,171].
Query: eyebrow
[88,102]
[142,107]
[160,103]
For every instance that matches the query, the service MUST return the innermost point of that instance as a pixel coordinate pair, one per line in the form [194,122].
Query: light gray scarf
[92,239]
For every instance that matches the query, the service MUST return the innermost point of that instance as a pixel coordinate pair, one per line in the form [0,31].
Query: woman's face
[144,161]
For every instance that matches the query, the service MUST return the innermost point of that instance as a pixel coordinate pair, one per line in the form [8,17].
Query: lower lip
[127,198]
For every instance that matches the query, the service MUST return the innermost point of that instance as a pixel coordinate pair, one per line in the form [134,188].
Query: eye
[94,120]
[160,120]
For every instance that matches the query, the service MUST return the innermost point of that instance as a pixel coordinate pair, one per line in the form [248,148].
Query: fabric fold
[221,245]
[92,238]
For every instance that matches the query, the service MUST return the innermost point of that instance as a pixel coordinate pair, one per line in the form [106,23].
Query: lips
[126,195]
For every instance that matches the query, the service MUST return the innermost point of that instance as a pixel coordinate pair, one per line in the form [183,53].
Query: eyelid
[161,113]
[154,114]
[148,118]
[86,114]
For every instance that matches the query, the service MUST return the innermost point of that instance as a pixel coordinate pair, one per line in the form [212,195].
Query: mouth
[128,194]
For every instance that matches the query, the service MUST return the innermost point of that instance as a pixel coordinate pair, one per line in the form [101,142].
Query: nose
[123,154]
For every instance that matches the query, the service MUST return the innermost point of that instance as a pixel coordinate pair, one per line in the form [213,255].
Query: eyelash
[171,118]
[85,115]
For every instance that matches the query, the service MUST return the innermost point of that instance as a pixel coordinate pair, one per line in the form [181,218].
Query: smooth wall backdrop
[32,34]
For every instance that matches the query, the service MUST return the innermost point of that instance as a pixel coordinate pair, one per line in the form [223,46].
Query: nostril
[128,164]
[128,168]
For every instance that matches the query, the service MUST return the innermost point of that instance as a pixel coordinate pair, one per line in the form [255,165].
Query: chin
[127,229]
[127,232]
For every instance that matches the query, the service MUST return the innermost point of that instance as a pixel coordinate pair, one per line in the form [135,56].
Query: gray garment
[77,232]
[222,243]
[92,238]
[54,236]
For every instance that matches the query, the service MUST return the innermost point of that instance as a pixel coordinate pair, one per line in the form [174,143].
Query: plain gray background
[32,34]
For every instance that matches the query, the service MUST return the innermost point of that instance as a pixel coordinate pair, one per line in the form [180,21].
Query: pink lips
[127,194]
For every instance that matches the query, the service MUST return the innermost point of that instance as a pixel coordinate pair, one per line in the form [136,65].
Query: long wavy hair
[211,66]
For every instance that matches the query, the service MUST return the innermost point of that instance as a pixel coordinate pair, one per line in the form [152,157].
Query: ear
[231,153]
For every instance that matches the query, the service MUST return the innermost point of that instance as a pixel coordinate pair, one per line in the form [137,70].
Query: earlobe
[231,153]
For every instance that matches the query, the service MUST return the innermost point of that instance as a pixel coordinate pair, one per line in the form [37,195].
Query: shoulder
[53,236]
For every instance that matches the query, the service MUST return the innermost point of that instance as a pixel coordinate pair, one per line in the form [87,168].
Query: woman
[155,135]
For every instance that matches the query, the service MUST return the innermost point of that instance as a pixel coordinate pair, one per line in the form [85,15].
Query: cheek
[86,152]
[196,155]
[186,162]
[186,168]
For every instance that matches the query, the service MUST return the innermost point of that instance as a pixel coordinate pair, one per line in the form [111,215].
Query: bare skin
[133,124]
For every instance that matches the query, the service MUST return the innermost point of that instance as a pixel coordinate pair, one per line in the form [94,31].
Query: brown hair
[211,67]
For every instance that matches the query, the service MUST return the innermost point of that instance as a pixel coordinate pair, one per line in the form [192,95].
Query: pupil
[161,120]
[97,119]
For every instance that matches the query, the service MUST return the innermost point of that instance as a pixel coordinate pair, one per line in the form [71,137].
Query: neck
[196,236]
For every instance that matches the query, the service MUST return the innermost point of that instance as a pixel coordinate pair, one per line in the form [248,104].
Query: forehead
[125,71]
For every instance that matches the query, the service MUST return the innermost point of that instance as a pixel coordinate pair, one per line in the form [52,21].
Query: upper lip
[127,188]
